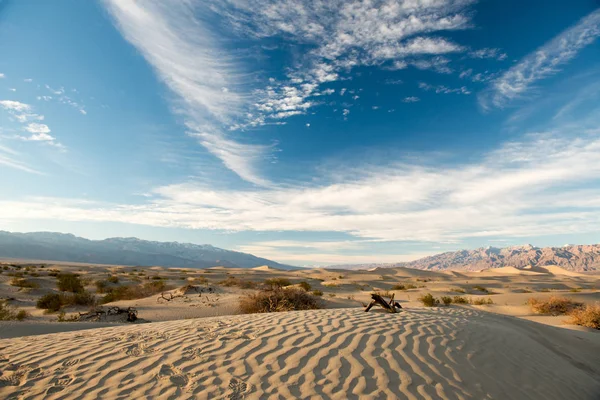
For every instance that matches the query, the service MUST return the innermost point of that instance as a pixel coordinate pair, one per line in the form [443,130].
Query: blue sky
[309,132]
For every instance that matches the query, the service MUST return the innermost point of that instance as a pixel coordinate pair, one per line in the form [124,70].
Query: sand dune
[510,271]
[445,353]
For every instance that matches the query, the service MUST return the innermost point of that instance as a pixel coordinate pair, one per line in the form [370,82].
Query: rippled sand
[446,353]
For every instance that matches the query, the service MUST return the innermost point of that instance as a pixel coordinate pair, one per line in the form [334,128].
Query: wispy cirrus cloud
[542,63]
[207,81]
[13,159]
[441,89]
[23,113]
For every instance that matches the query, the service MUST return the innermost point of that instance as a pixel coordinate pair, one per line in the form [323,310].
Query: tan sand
[443,353]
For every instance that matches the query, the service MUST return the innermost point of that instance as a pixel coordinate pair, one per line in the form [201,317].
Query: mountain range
[124,251]
[579,258]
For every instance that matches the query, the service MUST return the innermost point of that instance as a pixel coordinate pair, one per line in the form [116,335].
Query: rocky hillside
[573,258]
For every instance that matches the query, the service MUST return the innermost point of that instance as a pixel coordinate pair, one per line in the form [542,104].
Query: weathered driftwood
[391,306]
[101,314]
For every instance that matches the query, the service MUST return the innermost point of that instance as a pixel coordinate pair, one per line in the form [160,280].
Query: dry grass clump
[429,301]
[305,285]
[276,300]
[277,282]
[24,283]
[233,281]
[446,300]
[132,292]
[8,313]
[317,293]
[588,316]
[460,300]
[481,302]
[53,302]
[555,305]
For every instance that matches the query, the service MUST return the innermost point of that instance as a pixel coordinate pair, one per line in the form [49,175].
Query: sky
[311,132]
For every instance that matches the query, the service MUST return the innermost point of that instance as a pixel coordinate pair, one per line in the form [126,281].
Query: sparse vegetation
[317,293]
[588,316]
[113,279]
[101,286]
[50,302]
[399,287]
[481,302]
[9,313]
[277,300]
[132,292]
[575,290]
[460,300]
[53,302]
[555,305]
[305,285]
[277,282]
[446,300]
[69,283]
[233,281]
[458,290]
[24,283]
[428,300]
[480,289]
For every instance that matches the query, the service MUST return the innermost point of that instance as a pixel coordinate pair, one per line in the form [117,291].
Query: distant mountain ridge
[578,258]
[124,251]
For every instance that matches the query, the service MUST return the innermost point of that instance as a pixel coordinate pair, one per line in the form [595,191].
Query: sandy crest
[442,353]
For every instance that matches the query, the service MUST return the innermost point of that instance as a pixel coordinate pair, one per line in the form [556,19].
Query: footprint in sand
[69,362]
[238,387]
[59,384]
[173,374]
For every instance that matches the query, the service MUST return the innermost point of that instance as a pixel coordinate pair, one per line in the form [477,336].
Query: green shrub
[446,300]
[305,285]
[114,279]
[51,302]
[24,283]
[428,300]
[279,300]
[317,293]
[69,283]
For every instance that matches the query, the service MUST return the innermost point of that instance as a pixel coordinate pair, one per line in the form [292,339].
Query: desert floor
[198,346]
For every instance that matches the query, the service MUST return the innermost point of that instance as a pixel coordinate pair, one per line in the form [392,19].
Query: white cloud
[441,89]
[40,137]
[37,128]
[15,106]
[12,89]
[186,56]
[543,62]
[410,99]
[489,53]
[28,80]
[542,185]
[2,76]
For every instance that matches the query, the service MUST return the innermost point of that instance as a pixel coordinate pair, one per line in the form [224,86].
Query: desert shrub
[63,318]
[34,274]
[428,300]
[8,313]
[446,300]
[279,300]
[460,300]
[480,288]
[331,285]
[156,278]
[132,292]
[575,290]
[481,302]
[277,282]
[555,305]
[233,281]
[24,283]
[113,279]
[410,286]
[230,281]
[588,316]
[458,290]
[101,286]
[247,284]
[51,302]
[399,287]
[386,293]
[84,298]
[69,283]
[201,280]
[317,293]
[331,294]
[305,285]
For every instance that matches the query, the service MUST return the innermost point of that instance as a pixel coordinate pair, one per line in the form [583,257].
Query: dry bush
[428,300]
[458,290]
[399,287]
[277,282]
[555,305]
[317,293]
[69,283]
[305,285]
[387,293]
[460,300]
[53,302]
[480,288]
[277,300]
[50,302]
[331,285]
[446,300]
[8,313]
[575,290]
[481,302]
[233,281]
[113,279]
[588,316]
[133,292]
[101,286]
[24,283]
